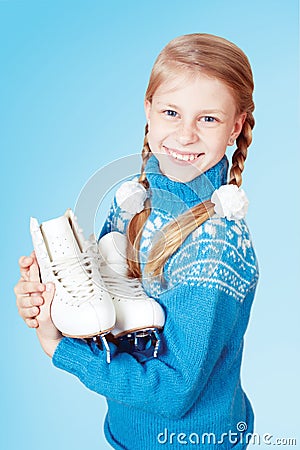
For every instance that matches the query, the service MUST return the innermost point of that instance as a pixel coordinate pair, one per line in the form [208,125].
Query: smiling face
[191,123]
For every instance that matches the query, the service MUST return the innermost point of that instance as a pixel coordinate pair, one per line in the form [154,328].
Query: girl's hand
[29,290]
[34,301]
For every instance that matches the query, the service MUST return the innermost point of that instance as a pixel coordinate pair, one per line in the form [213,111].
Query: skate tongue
[60,238]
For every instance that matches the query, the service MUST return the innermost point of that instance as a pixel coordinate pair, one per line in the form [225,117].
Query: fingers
[25,263]
[29,268]
[29,291]
[29,301]
[29,309]
[29,313]
[28,287]
[32,323]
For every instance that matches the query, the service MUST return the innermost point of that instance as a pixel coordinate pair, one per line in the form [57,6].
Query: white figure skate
[81,307]
[138,315]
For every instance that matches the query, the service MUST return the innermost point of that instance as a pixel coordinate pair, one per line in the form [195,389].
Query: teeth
[181,157]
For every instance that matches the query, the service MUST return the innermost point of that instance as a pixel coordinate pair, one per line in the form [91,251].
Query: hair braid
[136,225]
[175,233]
[239,157]
[146,153]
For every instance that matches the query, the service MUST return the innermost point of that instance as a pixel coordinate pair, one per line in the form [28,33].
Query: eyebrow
[202,111]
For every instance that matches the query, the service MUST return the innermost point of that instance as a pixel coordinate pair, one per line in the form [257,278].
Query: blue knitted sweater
[191,394]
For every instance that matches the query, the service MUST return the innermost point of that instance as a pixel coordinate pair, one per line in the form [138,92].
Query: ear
[237,128]
[147,106]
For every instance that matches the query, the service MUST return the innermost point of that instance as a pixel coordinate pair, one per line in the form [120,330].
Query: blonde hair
[213,56]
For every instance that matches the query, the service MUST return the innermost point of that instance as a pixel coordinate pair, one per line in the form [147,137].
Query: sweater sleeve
[199,323]
[117,219]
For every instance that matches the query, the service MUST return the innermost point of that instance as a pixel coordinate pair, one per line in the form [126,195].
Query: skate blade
[136,330]
[152,333]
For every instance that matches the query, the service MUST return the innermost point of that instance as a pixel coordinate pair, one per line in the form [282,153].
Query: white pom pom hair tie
[230,202]
[131,196]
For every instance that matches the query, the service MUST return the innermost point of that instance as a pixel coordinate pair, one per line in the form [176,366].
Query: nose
[187,134]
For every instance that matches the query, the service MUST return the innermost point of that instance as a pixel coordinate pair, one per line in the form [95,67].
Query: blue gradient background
[73,76]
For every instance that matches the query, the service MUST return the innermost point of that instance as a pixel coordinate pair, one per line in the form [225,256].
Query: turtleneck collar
[176,197]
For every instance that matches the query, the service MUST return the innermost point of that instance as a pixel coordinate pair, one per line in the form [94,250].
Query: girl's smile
[182,157]
[191,123]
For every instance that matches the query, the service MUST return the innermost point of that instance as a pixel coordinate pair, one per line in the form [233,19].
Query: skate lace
[76,276]
[122,286]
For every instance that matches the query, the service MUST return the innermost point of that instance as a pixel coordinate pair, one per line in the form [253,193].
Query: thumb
[47,331]
[48,295]
[34,272]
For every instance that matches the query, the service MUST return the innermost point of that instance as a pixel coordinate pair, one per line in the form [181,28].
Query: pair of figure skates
[93,295]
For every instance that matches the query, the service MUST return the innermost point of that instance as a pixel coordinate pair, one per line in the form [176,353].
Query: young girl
[192,250]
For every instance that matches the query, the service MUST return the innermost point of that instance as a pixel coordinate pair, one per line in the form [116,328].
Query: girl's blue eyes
[171,113]
[208,119]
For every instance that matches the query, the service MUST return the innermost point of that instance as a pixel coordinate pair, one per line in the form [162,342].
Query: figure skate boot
[137,315]
[81,307]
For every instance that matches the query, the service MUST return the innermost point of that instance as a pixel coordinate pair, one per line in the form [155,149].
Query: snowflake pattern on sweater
[210,256]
